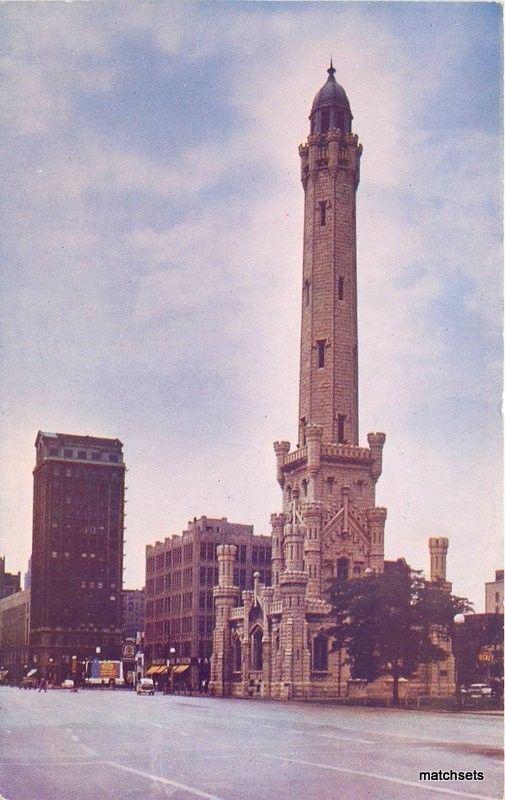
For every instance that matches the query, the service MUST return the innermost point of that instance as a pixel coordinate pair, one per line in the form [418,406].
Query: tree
[386,622]
[481,633]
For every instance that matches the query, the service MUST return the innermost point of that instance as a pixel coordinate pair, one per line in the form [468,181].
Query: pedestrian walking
[43,684]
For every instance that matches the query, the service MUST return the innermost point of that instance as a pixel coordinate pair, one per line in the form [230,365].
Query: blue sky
[152,220]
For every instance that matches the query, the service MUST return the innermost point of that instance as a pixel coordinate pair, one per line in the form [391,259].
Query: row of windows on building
[330,484]
[83,530]
[90,519]
[179,625]
[99,475]
[170,558]
[93,483]
[182,649]
[169,605]
[84,455]
[83,554]
[208,552]
[208,577]
[319,652]
[90,503]
[79,640]
[66,554]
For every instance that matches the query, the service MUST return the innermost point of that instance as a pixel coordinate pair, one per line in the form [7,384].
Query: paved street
[105,744]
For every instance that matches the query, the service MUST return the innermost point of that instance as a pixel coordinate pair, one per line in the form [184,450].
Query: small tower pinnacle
[331,70]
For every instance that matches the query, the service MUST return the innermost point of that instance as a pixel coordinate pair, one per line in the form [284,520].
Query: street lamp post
[74,673]
[170,659]
[459,621]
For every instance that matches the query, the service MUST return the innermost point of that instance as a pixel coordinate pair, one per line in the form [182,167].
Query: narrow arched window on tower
[237,654]
[340,287]
[341,429]
[325,120]
[322,206]
[320,653]
[257,650]
[321,345]
[342,569]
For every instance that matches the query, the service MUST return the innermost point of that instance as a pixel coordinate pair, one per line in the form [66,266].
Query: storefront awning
[180,668]
[157,670]
[31,673]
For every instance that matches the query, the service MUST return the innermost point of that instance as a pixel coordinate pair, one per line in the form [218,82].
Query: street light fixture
[458,622]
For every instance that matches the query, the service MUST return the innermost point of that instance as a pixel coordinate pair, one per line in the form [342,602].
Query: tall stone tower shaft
[330,526]
[329,331]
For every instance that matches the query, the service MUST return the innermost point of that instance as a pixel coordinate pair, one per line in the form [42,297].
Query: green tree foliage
[481,632]
[386,622]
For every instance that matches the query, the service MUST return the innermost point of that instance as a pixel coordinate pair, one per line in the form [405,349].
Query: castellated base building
[274,641]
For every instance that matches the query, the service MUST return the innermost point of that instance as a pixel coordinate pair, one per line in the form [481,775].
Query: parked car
[145,686]
[30,680]
[478,690]
[67,684]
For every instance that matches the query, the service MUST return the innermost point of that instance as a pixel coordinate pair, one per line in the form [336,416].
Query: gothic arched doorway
[237,654]
[342,569]
[257,650]
[320,652]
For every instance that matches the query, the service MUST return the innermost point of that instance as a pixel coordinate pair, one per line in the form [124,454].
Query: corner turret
[376,444]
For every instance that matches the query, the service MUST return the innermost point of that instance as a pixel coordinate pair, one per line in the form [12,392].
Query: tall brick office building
[77,556]
[180,575]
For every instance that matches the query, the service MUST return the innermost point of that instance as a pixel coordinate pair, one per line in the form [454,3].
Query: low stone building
[10,582]
[14,634]
[494,594]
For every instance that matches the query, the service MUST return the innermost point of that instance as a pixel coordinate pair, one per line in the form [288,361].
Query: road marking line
[272,727]
[419,785]
[346,738]
[393,735]
[166,781]
[49,761]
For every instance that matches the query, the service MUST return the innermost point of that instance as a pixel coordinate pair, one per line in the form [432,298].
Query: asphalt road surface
[97,745]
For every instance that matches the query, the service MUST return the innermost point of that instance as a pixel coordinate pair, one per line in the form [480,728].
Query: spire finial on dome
[331,70]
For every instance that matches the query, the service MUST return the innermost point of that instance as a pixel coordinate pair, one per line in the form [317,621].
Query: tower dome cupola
[330,108]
